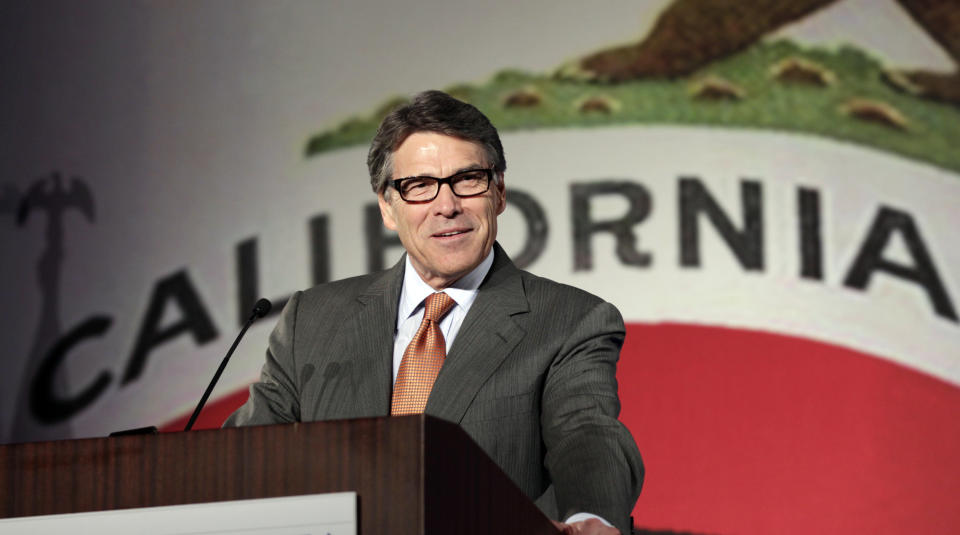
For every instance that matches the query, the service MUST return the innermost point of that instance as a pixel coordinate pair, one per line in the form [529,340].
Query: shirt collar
[463,291]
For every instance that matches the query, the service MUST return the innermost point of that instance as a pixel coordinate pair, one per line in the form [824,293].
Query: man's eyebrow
[472,167]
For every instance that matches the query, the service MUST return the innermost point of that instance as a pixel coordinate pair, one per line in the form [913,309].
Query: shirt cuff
[579,517]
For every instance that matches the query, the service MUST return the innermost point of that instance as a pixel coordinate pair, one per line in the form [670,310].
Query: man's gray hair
[431,111]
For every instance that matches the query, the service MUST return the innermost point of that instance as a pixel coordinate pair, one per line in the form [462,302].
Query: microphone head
[262,308]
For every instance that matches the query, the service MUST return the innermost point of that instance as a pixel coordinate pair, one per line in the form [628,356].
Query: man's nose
[446,204]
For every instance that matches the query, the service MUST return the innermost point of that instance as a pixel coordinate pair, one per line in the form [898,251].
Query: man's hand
[590,526]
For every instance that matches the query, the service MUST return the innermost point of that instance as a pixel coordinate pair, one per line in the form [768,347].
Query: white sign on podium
[315,514]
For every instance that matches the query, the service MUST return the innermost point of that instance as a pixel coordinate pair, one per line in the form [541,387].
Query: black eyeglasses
[425,188]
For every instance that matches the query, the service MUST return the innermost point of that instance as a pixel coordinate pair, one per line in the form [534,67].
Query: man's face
[449,236]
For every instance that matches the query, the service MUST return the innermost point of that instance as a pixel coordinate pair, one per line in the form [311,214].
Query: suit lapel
[488,335]
[368,347]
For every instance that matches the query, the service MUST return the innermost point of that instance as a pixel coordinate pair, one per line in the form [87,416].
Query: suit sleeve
[592,458]
[275,397]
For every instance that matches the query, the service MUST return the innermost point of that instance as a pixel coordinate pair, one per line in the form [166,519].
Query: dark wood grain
[413,475]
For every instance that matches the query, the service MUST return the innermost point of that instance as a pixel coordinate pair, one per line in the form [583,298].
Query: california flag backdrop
[769,191]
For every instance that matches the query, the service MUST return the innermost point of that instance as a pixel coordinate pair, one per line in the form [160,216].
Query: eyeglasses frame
[440,182]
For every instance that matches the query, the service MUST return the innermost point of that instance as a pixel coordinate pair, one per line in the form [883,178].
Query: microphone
[261,309]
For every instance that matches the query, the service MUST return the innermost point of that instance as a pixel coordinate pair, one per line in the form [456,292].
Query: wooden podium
[412,474]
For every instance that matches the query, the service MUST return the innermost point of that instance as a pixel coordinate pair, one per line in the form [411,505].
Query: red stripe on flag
[748,432]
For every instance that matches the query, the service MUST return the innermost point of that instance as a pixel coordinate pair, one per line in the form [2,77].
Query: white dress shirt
[411,307]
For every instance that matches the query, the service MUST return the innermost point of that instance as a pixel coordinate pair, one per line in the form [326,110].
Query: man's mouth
[451,233]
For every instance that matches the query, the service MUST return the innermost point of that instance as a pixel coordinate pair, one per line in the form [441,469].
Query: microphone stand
[259,310]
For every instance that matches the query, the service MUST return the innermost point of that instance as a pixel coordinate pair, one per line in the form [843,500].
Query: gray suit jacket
[530,377]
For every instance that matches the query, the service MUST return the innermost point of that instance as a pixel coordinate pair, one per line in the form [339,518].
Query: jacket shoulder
[552,293]
[342,291]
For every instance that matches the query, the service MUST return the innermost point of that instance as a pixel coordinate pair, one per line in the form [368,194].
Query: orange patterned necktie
[422,359]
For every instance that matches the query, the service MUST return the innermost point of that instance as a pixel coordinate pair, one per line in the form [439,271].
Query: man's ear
[386,212]
[501,194]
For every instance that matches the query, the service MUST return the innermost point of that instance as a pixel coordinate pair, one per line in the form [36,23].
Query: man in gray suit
[530,371]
